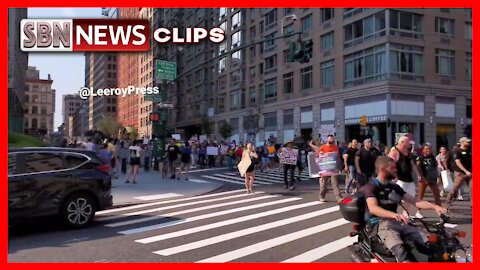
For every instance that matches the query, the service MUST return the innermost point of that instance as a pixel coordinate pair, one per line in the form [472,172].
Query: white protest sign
[288,156]
[202,138]
[212,151]
[177,137]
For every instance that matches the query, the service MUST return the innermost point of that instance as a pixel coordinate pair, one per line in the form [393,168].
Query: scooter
[442,245]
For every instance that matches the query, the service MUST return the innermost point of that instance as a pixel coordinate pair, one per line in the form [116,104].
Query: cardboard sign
[177,137]
[313,169]
[271,149]
[212,151]
[202,138]
[288,156]
[223,149]
[328,164]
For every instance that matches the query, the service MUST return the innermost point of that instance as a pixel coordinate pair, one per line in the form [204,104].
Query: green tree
[109,127]
[226,130]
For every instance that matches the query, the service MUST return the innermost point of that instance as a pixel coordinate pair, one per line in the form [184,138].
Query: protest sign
[328,163]
[313,169]
[212,151]
[288,156]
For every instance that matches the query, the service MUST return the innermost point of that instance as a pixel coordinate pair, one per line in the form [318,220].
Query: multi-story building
[128,74]
[17,67]
[71,104]
[406,70]
[78,123]
[39,108]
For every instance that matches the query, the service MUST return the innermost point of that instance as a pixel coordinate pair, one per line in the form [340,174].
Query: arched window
[34,123]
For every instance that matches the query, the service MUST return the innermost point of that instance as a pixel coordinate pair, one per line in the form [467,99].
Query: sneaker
[442,193]
[291,188]
[322,200]
[459,197]
[419,215]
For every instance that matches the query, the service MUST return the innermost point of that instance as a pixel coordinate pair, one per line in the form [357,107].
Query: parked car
[48,181]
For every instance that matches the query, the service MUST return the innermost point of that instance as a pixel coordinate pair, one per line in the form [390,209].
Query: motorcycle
[442,245]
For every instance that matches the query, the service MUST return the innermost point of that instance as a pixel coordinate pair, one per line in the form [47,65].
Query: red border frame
[232,3]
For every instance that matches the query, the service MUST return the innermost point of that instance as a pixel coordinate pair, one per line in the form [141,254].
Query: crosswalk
[261,178]
[233,226]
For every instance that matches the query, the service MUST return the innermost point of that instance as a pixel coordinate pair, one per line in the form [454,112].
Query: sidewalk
[150,187]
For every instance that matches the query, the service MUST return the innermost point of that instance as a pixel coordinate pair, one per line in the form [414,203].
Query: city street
[270,225]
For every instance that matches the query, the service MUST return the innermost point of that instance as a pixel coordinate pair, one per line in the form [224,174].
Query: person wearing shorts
[134,162]
[428,168]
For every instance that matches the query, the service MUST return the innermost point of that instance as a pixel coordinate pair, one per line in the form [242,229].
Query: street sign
[153,98]
[165,105]
[166,70]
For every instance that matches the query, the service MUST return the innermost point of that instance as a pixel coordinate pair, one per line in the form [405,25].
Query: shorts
[391,232]
[465,178]
[134,161]
[408,187]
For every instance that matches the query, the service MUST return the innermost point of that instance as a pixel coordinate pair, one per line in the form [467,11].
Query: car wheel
[78,210]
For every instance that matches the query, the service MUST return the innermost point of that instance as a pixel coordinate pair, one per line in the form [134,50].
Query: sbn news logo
[64,35]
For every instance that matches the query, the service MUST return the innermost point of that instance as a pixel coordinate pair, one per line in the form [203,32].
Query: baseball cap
[464,139]
[367,141]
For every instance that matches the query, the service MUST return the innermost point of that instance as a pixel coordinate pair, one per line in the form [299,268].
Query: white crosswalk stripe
[261,178]
[228,217]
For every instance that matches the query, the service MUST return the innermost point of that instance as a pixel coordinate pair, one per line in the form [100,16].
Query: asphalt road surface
[226,225]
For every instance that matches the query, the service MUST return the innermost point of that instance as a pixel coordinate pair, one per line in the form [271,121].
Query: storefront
[306,122]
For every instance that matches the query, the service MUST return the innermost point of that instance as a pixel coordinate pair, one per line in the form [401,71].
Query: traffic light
[300,53]
[154,117]
[292,47]
[307,50]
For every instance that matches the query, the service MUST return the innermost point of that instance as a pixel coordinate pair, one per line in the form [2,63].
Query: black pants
[286,168]
[124,165]
[146,164]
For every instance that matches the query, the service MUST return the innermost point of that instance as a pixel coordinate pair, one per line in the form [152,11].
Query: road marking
[255,248]
[126,208]
[242,179]
[228,222]
[158,196]
[323,251]
[260,177]
[226,180]
[172,207]
[129,222]
[237,234]
[198,181]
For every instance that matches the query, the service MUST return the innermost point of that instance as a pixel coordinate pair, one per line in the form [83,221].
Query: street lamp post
[292,16]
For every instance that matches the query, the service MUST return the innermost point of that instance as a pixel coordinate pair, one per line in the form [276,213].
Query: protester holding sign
[328,160]
[288,157]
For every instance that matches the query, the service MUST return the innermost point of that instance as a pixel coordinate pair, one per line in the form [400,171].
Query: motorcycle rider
[382,211]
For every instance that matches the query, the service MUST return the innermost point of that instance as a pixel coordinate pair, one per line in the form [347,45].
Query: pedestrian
[239,152]
[349,161]
[250,173]
[90,145]
[135,152]
[202,154]
[222,149]
[405,165]
[231,157]
[442,161]
[288,168]
[365,162]
[114,157]
[123,155]
[211,158]
[428,169]
[104,155]
[329,147]
[462,167]
[173,152]
[265,160]
[185,160]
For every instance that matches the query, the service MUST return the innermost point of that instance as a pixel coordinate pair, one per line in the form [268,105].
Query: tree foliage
[109,127]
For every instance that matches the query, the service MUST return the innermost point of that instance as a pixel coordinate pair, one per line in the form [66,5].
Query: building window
[406,24]
[223,26]
[468,65]
[236,20]
[43,110]
[406,61]
[44,99]
[253,53]
[222,12]
[43,123]
[253,95]
[445,26]
[271,63]
[222,65]
[236,39]
[349,12]
[327,41]
[288,83]
[236,76]
[365,29]
[306,74]
[445,62]
[252,74]
[237,99]
[236,58]
[288,11]
[221,103]
[468,30]
[222,48]
[253,32]
[289,29]
[253,14]
[365,66]
[35,99]
[307,23]
[270,89]
[327,14]
[271,18]
[270,44]
[328,74]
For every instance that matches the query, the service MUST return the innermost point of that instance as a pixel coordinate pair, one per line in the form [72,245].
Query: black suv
[48,181]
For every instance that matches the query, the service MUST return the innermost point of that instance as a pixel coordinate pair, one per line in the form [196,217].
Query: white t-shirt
[90,146]
[134,151]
